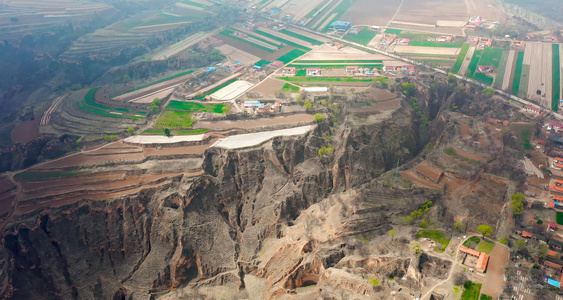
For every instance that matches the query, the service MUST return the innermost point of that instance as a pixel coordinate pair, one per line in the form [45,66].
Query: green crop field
[499,77]
[556,91]
[337,61]
[291,55]
[213,90]
[435,44]
[460,58]
[279,46]
[158,81]
[174,119]
[175,131]
[363,37]
[491,56]
[473,64]
[228,33]
[277,38]
[436,236]
[323,79]
[472,242]
[301,73]
[483,78]
[301,37]
[393,31]
[193,3]
[262,62]
[326,66]
[559,218]
[90,100]
[485,246]
[288,87]
[471,291]
[101,112]
[195,106]
[339,10]
[517,73]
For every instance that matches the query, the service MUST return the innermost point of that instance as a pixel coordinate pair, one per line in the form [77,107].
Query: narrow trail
[396,13]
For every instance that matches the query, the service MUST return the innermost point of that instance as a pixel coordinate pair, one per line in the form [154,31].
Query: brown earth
[268,87]
[253,50]
[257,123]
[371,12]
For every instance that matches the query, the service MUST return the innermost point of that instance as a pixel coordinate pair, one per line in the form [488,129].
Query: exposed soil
[257,123]
[371,12]
[268,87]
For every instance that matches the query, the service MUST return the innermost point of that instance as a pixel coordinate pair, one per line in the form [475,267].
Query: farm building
[352,69]
[354,30]
[403,42]
[389,68]
[444,39]
[253,104]
[485,42]
[289,70]
[339,25]
[486,69]
[471,27]
[475,20]
[276,64]
[482,259]
[388,39]
[532,109]
[313,71]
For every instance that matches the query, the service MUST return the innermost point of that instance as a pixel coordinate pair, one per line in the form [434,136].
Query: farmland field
[349,61]
[336,13]
[460,58]
[301,37]
[491,56]
[229,33]
[375,12]
[277,38]
[421,39]
[324,79]
[363,37]
[538,58]
[499,78]
[288,87]
[175,131]
[195,106]
[157,82]
[174,119]
[556,81]
[293,54]
[473,64]
[517,73]
[89,100]
[393,31]
[435,235]
[471,291]
[326,66]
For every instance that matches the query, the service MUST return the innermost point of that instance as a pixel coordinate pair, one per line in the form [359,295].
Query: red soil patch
[6,203]
[268,87]
[464,130]
[470,155]
[89,160]
[380,94]
[77,180]
[5,185]
[419,181]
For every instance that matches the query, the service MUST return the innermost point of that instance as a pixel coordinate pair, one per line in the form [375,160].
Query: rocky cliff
[260,221]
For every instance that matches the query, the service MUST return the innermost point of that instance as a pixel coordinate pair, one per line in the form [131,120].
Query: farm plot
[286,39]
[308,34]
[180,46]
[422,39]
[298,9]
[197,107]
[489,57]
[507,80]
[161,131]
[538,57]
[254,139]
[420,50]
[260,53]
[292,55]
[460,58]
[499,77]
[90,105]
[323,14]
[335,14]
[556,80]
[517,74]
[301,37]
[295,120]
[235,54]
[268,87]
[328,53]
[157,89]
[473,63]
[174,119]
[255,43]
[373,12]
[363,37]
[431,11]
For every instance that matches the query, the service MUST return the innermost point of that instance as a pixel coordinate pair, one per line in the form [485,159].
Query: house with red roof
[532,109]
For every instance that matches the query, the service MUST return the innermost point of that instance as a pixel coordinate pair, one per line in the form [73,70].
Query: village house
[482,259]
[486,69]
[313,71]
[532,109]
[289,71]
[352,69]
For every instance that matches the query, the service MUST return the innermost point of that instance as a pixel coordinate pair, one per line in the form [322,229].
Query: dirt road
[494,282]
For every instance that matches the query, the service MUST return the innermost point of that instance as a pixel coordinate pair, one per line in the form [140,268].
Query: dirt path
[494,282]
[450,274]
[396,13]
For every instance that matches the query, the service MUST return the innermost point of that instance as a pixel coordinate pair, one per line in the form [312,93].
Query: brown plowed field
[263,122]
[430,11]
[78,180]
[6,202]
[371,12]
[107,151]
[126,183]
[253,50]
[25,208]
[268,87]
[464,131]
[5,185]
[187,150]
[90,160]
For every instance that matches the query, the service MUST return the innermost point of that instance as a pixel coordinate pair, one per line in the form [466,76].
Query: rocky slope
[259,224]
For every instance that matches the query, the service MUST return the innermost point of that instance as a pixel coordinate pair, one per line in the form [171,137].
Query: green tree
[488,92]
[485,230]
[308,105]
[126,78]
[416,247]
[107,138]
[517,203]
[113,137]
[167,132]
[319,118]
[457,225]
[374,282]
[155,106]
[130,130]
[76,87]
[423,224]
[392,233]
[518,245]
